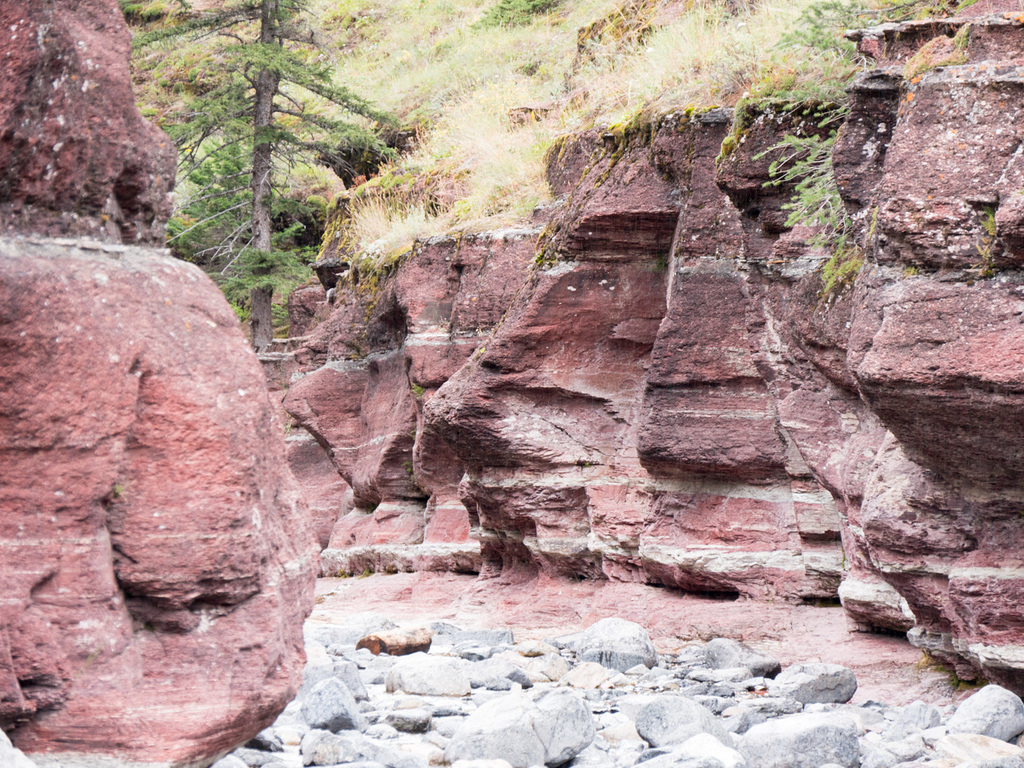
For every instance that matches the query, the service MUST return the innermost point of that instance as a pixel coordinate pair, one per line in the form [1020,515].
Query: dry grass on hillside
[486,102]
[458,83]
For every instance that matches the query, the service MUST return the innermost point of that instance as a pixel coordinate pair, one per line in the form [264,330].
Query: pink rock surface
[77,157]
[364,386]
[307,308]
[675,396]
[545,607]
[326,495]
[157,563]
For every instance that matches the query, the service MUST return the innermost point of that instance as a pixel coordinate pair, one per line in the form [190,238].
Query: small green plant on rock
[986,244]
[807,161]
[939,52]
[841,270]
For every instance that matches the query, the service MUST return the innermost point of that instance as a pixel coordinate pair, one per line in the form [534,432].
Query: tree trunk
[262,159]
[267,82]
[261,319]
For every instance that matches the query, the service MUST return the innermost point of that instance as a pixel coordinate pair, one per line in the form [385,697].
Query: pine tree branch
[209,218]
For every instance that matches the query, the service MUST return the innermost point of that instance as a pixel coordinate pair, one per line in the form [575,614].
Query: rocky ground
[609,693]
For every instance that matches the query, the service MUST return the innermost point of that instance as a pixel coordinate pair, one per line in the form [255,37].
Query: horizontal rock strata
[669,384]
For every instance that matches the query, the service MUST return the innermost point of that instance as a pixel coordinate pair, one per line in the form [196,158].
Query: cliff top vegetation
[480,89]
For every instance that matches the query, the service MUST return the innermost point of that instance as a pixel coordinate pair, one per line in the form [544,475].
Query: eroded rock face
[157,563]
[76,156]
[676,394]
[361,390]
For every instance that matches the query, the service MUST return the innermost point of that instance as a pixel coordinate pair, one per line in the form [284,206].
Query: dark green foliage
[807,161]
[821,26]
[516,13]
[269,270]
[149,10]
[213,215]
[244,54]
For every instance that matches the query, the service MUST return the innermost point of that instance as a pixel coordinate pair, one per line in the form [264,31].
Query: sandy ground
[888,668]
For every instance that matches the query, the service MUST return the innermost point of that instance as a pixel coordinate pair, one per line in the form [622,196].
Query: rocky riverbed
[607,695]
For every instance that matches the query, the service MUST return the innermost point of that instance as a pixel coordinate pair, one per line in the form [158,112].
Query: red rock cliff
[673,394]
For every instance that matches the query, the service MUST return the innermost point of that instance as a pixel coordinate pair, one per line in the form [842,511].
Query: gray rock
[714,704]
[802,741]
[348,673]
[552,730]
[501,728]
[446,726]
[454,708]
[255,758]
[673,719]
[992,711]
[373,671]
[426,675]
[704,746]
[315,745]
[483,637]
[725,674]
[381,731]
[723,653]
[617,644]
[474,652]
[266,740]
[913,718]
[354,628]
[11,756]
[391,757]
[363,657]
[565,726]
[409,720]
[878,757]
[772,706]
[815,683]
[493,674]
[321,666]
[323,748]
[739,720]
[893,753]
[331,706]
[673,760]
[225,762]
[517,675]
[443,628]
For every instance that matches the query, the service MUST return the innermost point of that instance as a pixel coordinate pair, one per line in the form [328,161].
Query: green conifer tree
[268,101]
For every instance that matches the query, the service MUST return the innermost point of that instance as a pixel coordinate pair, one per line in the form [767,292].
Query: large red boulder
[157,562]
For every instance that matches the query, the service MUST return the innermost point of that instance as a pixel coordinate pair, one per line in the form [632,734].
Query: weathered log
[397,642]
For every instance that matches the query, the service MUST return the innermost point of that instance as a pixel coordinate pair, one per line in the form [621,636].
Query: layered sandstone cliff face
[671,394]
[156,562]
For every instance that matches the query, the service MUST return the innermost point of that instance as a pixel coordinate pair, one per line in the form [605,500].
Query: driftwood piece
[397,642]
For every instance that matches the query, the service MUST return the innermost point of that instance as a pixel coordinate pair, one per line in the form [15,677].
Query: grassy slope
[455,81]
